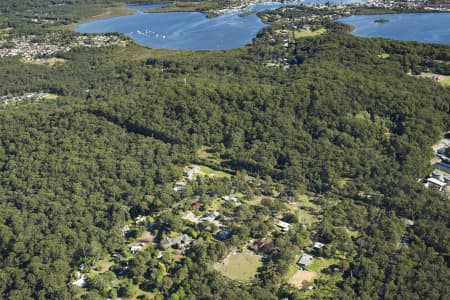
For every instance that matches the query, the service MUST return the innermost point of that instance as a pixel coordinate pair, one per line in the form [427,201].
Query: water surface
[423,27]
[188,30]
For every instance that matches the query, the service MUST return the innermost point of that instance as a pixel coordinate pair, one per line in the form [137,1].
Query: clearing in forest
[384,56]
[320,263]
[300,277]
[446,81]
[309,33]
[442,79]
[306,210]
[212,173]
[239,266]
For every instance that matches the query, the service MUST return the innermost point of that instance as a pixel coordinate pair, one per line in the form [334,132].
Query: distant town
[236,6]
[31,48]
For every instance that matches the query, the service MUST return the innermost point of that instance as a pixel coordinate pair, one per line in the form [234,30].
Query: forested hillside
[341,123]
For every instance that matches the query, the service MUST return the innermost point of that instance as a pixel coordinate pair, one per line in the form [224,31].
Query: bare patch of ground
[300,277]
[191,217]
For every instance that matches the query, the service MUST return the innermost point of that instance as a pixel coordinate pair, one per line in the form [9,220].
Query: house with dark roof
[264,245]
[224,234]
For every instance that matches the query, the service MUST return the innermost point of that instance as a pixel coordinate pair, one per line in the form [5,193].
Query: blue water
[426,27]
[188,30]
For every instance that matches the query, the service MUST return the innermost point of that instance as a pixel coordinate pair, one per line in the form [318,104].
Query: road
[404,241]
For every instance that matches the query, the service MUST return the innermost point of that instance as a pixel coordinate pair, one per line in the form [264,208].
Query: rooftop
[305,259]
[436,182]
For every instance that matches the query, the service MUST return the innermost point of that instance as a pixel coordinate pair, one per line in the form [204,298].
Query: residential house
[318,245]
[81,282]
[191,171]
[437,175]
[180,241]
[135,249]
[305,260]
[283,225]
[140,220]
[211,216]
[229,198]
[435,184]
[125,230]
[264,245]
[179,188]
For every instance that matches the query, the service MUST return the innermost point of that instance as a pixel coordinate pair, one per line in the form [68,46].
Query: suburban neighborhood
[31,48]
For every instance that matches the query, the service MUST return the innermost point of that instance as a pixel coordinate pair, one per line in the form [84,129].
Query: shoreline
[118,10]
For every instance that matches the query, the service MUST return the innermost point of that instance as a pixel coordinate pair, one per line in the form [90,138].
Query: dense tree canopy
[74,170]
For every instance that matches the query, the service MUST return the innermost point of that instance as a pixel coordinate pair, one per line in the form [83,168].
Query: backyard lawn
[320,263]
[239,266]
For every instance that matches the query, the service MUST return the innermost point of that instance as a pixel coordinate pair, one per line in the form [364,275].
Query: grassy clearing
[239,266]
[446,81]
[204,170]
[442,79]
[308,33]
[320,263]
[384,56]
[50,97]
[307,211]
[272,65]
[102,265]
